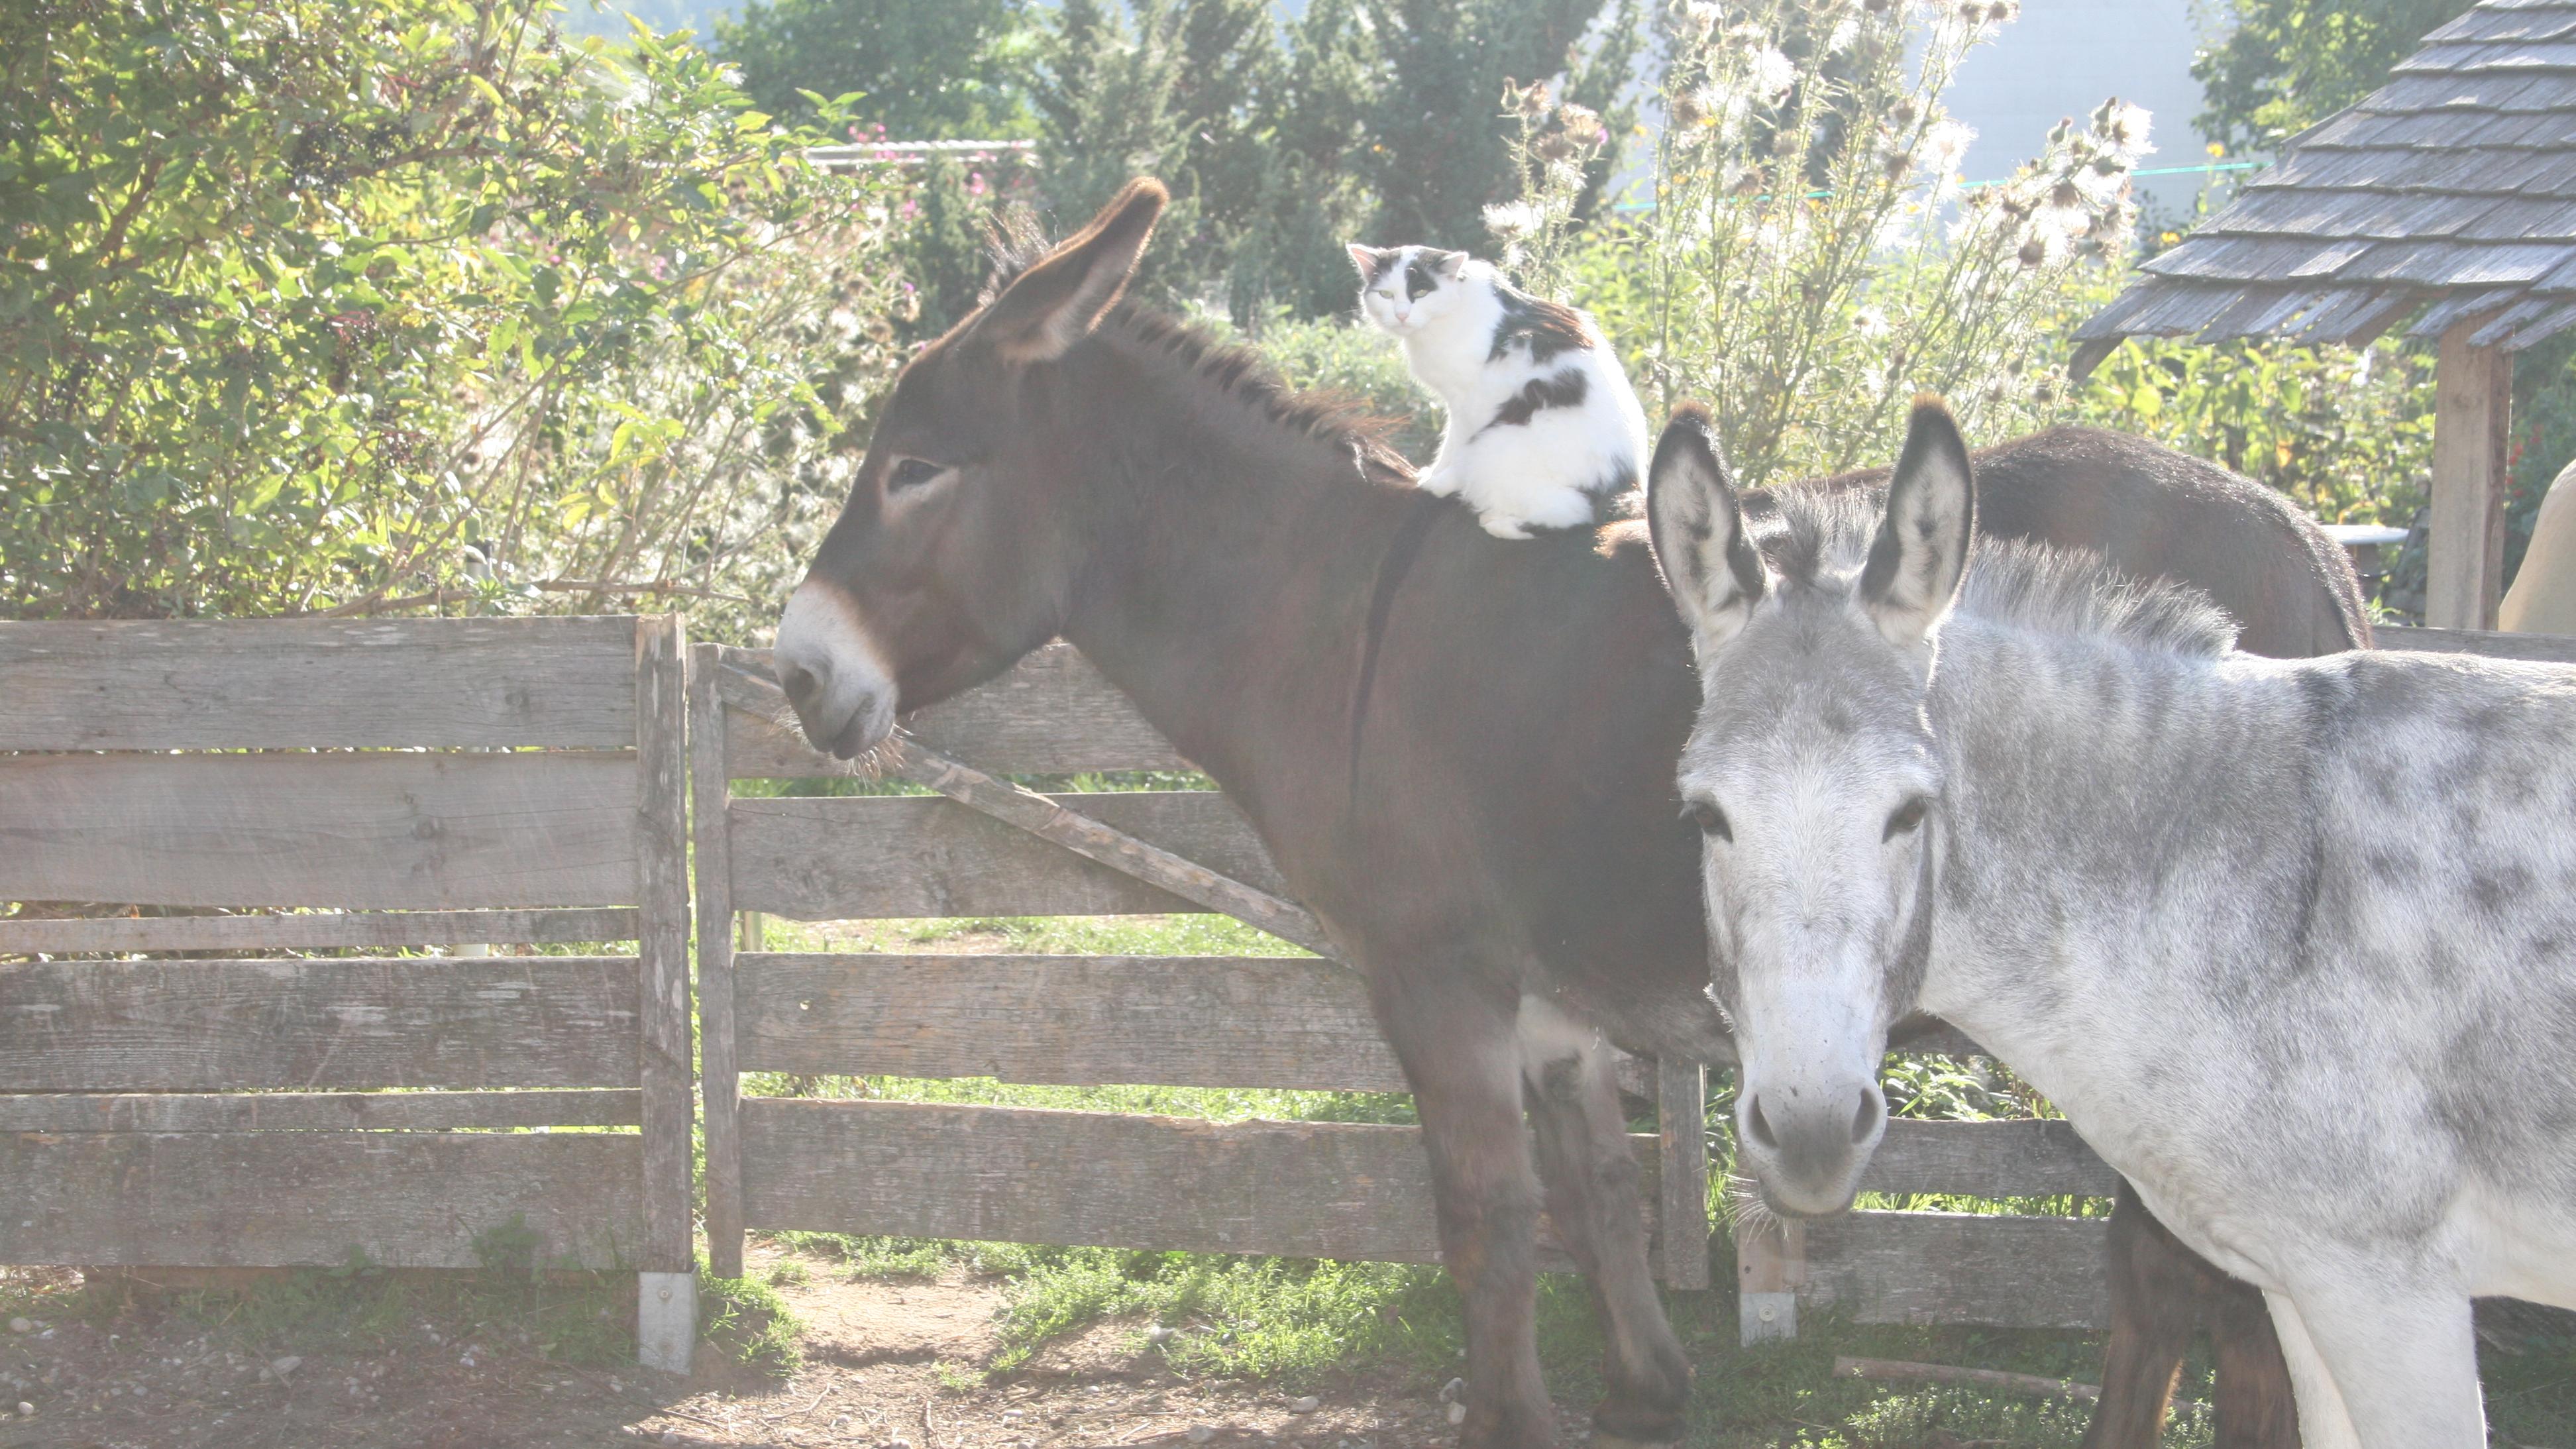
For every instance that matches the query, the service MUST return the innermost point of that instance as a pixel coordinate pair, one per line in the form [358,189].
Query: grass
[585,1320]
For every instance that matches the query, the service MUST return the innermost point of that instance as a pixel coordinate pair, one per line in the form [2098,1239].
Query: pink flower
[974,183]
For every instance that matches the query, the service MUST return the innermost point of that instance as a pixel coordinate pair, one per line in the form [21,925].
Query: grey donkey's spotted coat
[2292,943]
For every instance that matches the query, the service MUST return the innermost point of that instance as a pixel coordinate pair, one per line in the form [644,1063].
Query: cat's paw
[1503,525]
[1439,482]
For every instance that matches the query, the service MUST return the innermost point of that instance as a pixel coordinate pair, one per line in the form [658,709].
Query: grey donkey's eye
[1904,819]
[912,473]
[1709,819]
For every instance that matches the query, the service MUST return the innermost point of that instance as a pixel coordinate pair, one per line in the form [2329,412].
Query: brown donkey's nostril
[799,683]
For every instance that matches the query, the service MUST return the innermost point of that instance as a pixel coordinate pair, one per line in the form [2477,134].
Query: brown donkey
[1460,750]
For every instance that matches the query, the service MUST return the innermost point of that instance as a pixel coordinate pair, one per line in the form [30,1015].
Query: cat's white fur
[1542,425]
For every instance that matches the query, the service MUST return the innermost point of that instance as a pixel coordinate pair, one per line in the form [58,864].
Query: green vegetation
[344,306]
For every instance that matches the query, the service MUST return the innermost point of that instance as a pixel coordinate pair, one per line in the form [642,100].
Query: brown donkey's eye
[912,473]
[1906,817]
[1709,819]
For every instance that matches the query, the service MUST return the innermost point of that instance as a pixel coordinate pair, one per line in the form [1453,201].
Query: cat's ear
[1449,264]
[1711,567]
[1370,260]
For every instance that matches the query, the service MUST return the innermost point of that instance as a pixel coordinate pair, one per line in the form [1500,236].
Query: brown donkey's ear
[1055,304]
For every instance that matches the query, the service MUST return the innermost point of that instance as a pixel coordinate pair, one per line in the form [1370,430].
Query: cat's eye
[1710,820]
[1906,818]
[911,473]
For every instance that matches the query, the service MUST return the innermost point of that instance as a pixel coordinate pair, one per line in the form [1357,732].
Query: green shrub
[1810,261]
[319,306]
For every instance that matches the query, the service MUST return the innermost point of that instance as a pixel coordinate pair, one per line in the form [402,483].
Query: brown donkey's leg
[1456,1041]
[2155,1296]
[2255,1409]
[2158,1288]
[1594,1199]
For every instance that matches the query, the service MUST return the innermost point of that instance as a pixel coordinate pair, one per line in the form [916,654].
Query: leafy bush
[1802,271]
[329,306]
[2346,432]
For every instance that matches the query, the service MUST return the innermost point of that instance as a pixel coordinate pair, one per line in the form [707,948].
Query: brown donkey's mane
[1241,372]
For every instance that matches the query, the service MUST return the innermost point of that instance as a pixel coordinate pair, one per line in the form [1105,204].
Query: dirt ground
[888,1364]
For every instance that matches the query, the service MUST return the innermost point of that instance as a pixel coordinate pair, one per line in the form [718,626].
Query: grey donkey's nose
[1807,1145]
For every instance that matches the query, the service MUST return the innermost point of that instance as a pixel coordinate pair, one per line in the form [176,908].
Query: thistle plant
[1812,259]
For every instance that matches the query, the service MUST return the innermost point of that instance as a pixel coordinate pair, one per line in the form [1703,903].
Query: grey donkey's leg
[1454,1035]
[1594,1199]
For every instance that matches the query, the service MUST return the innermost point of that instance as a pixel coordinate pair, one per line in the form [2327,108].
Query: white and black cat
[1543,428]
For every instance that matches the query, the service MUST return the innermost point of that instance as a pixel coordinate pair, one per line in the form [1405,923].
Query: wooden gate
[1306,1189]
[461,783]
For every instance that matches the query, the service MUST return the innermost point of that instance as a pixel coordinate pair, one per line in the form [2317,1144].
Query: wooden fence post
[1681,1120]
[2464,536]
[666,1295]
[719,1083]
[1770,1268]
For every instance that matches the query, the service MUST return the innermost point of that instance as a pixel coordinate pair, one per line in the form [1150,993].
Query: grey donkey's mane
[1820,537]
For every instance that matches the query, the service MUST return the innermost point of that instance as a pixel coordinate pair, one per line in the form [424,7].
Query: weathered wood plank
[1987,1159]
[2026,1272]
[2541,648]
[902,856]
[664,1063]
[719,1079]
[2472,432]
[466,1021]
[1050,714]
[1025,1175]
[311,1111]
[313,931]
[381,831]
[274,1199]
[282,683]
[1215,1021]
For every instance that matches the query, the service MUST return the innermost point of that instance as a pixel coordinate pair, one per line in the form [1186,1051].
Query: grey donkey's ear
[1055,304]
[1921,551]
[1710,567]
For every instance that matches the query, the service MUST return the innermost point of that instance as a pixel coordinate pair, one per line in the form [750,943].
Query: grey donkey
[2291,942]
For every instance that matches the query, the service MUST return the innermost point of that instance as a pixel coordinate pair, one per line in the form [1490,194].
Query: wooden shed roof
[2453,185]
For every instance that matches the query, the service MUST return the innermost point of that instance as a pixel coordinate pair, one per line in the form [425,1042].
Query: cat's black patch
[1418,280]
[1548,327]
[1563,390]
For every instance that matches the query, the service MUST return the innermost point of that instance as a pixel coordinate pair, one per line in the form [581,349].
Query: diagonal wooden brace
[1079,833]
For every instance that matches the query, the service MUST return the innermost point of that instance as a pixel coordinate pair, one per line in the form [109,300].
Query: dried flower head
[2121,129]
[1512,220]
[1772,73]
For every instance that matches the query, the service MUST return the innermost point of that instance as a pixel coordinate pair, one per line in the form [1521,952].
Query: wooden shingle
[2449,192]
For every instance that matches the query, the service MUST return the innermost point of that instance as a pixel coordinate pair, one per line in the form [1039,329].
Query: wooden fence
[457,783]
[935,1170]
